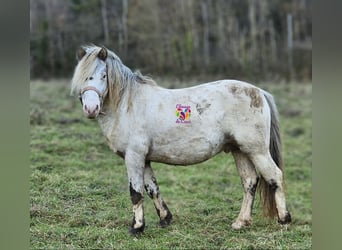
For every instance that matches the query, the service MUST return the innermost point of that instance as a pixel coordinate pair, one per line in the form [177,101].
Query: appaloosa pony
[146,123]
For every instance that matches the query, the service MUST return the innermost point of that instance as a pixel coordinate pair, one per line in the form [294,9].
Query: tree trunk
[289,46]
[253,31]
[105,21]
[205,19]
[50,36]
[124,25]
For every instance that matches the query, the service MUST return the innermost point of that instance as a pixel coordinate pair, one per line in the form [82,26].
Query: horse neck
[109,121]
[114,125]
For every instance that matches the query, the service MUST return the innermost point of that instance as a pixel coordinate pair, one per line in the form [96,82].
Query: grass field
[79,194]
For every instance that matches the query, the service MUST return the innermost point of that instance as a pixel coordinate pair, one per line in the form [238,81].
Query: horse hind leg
[273,192]
[249,180]
[152,189]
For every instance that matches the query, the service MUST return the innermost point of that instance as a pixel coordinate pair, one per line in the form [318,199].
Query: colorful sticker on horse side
[183,113]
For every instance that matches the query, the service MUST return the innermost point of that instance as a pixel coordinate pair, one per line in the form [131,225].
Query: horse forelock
[85,68]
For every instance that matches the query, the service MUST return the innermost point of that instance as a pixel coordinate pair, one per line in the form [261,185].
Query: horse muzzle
[91,111]
[92,102]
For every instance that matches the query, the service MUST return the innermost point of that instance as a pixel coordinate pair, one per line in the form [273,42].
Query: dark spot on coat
[136,197]
[254,94]
[168,218]
[200,109]
[152,189]
[149,191]
[121,154]
[233,89]
[273,185]
[252,187]
[164,206]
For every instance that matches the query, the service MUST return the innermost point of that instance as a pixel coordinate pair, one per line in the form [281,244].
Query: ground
[79,195]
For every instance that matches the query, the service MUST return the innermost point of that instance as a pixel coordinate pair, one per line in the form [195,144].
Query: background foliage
[233,39]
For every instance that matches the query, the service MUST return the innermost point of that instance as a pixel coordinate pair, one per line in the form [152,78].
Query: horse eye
[91,78]
[104,76]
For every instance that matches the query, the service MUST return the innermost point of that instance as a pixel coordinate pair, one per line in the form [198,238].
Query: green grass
[79,193]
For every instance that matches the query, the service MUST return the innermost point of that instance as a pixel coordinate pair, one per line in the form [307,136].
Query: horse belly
[185,152]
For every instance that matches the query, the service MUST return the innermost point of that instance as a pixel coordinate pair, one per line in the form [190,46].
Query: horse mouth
[91,116]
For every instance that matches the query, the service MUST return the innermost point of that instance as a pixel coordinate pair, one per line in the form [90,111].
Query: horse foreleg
[152,189]
[135,171]
[249,180]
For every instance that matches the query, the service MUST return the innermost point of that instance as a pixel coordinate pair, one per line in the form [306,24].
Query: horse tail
[267,193]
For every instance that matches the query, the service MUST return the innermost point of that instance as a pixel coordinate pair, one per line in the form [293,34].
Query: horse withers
[146,123]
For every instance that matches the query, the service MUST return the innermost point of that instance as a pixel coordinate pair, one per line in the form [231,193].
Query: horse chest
[115,132]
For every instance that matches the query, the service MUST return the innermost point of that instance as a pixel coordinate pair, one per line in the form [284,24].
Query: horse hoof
[136,231]
[166,221]
[240,224]
[287,219]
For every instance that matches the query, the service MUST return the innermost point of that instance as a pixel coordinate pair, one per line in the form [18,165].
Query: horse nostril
[85,107]
[97,107]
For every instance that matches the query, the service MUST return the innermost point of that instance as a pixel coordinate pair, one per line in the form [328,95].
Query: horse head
[95,87]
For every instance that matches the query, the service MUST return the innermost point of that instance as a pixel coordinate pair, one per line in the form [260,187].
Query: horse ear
[103,54]
[80,53]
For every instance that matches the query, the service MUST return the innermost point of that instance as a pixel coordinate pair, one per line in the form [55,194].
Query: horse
[143,123]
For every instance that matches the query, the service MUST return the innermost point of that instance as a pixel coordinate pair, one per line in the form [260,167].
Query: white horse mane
[121,80]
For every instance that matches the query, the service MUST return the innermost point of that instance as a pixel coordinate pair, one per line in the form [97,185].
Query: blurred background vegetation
[254,40]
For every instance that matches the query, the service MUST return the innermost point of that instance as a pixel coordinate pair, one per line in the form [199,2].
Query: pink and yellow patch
[183,113]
